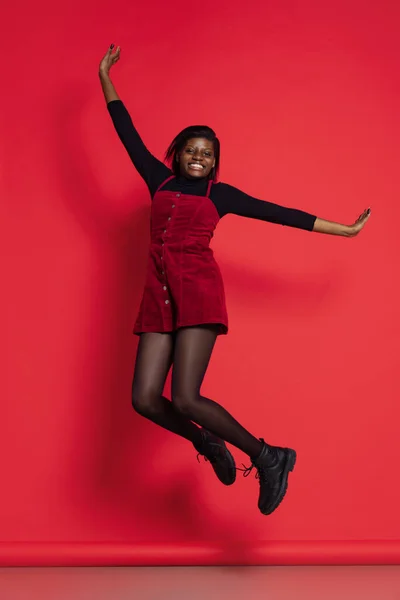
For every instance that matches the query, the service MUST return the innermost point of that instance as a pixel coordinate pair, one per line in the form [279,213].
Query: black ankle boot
[215,451]
[273,465]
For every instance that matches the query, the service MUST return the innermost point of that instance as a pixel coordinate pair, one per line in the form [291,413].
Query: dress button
[164,287]
[169,218]
[165,231]
[177,195]
[167,302]
[173,206]
[162,244]
[162,273]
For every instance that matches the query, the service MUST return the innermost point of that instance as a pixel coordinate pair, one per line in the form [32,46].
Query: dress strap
[209,188]
[164,182]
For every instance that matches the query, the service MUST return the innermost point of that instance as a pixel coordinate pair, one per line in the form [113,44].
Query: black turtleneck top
[226,198]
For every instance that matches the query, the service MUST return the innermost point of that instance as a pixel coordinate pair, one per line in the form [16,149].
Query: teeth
[199,167]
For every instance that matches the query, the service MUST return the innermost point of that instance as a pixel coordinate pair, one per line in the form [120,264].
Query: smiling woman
[183,306]
[195,152]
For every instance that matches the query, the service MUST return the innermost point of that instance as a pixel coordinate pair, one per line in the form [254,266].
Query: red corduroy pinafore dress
[184,285]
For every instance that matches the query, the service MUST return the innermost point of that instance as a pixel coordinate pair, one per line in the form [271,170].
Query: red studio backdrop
[304,97]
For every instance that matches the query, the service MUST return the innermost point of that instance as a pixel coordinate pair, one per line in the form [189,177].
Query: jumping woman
[183,306]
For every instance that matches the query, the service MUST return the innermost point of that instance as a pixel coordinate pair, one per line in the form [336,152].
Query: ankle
[258,450]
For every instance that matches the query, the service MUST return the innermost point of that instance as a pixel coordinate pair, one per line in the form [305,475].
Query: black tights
[188,352]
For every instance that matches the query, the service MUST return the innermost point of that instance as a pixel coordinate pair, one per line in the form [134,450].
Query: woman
[183,306]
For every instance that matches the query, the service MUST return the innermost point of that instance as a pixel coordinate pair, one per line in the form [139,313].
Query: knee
[184,404]
[144,402]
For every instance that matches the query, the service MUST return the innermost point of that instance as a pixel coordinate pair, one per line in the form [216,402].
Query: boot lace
[213,453]
[260,474]
[262,470]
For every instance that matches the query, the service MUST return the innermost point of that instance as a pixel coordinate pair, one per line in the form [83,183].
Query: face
[196,159]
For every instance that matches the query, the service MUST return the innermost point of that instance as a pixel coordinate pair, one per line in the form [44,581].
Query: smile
[196,167]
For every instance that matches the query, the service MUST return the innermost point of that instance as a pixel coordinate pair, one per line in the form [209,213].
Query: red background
[305,97]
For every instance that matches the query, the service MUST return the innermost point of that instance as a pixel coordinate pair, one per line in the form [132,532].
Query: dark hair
[179,142]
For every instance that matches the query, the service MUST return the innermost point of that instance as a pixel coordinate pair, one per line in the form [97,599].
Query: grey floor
[201,583]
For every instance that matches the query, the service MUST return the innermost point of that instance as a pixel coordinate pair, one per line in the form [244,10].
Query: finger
[117,55]
[363,215]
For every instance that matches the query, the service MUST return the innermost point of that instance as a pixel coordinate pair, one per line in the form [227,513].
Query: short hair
[179,142]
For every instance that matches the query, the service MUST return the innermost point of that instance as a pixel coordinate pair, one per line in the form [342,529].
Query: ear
[177,158]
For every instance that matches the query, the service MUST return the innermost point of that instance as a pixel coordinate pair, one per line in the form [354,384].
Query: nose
[197,155]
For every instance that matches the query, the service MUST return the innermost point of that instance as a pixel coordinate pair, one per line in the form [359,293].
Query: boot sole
[291,458]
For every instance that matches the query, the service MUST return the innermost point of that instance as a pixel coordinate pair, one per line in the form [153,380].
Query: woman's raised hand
[360,223]
[109,59]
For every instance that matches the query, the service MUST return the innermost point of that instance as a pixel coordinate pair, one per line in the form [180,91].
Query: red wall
[305,97]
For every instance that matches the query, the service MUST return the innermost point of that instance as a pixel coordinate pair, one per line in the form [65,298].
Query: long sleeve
[152,170]
[229,199]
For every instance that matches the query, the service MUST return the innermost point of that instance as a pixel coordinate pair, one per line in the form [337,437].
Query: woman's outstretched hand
[333,228]
[360,223]
[109,60]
